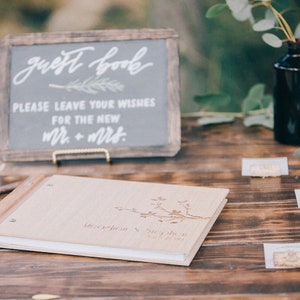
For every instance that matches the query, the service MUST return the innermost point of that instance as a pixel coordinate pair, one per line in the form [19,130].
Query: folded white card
[282,255]
[297,193]
[265,167]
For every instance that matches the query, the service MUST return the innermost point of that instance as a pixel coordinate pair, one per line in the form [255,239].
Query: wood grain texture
[229,265]
[226,270]
[88,36]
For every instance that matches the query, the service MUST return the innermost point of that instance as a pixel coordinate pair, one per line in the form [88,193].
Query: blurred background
[216,55]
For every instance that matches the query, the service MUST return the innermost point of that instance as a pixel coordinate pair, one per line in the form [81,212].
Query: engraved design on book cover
[164,214]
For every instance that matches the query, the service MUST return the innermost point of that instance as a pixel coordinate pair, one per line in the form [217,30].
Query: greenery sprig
[274,18]
[256,108]
[91,85]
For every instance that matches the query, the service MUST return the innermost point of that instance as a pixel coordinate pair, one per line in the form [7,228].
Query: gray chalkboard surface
[114,89]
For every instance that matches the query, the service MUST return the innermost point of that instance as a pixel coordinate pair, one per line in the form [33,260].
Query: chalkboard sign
[116,90]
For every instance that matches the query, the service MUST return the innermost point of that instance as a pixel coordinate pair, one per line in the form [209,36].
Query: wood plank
[254,189]
[236,270]
[256,223]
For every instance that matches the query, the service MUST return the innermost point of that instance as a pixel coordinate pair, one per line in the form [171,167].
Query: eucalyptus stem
[283,25]
[200,114]
[56,86]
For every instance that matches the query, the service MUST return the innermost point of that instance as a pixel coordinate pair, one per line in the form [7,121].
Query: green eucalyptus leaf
[244,15]
[271,107]
[241,9]
[267,100]
[254,98]
[257,90]
[250,104]
[269,15]
[272,40]
[297,32]
[215,10]
[213,101]
[237,6]
[220,119]
[259,120]
[263,25]
[297,153]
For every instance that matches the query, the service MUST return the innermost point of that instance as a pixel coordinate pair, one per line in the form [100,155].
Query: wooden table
[230,264]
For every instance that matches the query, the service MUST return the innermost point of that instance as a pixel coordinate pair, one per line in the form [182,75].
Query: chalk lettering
[136,103]
[108,119]
[66,60]
[84,119]
[102,104]
[30,107]
[58,135]
[61,120]
[69,105]
[107,135]
[70,61]
[133,66]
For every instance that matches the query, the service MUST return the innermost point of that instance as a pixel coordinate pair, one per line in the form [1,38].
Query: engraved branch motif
[165,215]
[91,85]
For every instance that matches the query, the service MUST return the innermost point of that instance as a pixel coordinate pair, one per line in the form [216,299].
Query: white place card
[297,193]
[265,167]
[282,255]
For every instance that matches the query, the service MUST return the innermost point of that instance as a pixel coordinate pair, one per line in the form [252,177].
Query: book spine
[16,197]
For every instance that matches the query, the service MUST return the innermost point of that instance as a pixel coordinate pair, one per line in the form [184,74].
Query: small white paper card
[265,167]
[297,192]
[282,256]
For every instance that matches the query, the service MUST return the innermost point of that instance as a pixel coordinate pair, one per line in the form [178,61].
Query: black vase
[287,97]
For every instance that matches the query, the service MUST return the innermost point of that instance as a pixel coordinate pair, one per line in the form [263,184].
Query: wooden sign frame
[172,145]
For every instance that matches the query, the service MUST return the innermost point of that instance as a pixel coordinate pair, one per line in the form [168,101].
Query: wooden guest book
[114,219]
